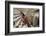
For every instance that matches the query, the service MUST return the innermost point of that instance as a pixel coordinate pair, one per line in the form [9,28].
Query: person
[24,19]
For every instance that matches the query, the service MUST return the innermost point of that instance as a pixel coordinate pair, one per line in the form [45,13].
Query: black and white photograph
[25,17]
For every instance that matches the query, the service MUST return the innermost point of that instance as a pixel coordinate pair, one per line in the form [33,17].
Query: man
[25,19]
